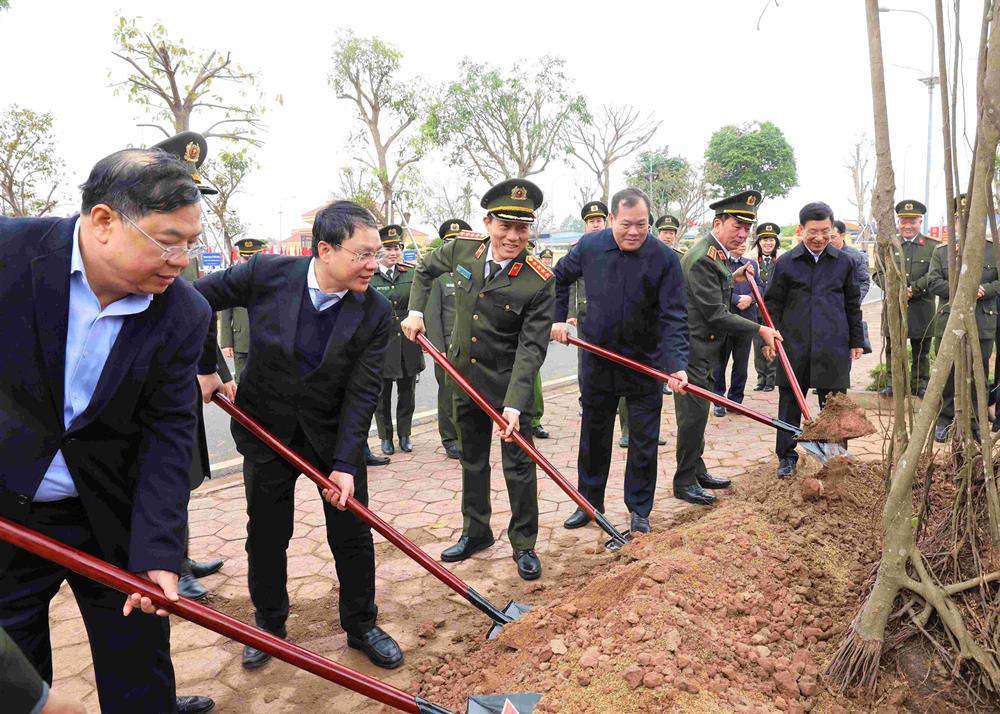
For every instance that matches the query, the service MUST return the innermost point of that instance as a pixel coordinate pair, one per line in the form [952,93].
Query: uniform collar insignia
[480,250]
[515,269]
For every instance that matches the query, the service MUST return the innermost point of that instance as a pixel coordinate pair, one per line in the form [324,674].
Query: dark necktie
[392,274]
[494,268]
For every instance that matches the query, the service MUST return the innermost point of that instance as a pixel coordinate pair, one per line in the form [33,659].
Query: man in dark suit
[97,404]
[815,303]
[635,297]
[312,378]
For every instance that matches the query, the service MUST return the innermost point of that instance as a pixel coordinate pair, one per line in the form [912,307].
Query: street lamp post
[930,81]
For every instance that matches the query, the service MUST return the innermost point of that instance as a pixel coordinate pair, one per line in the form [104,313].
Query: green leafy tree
[182,89]
[752,156]
[571,223]
[506,124]
[226,172]
[366,72]
[30,172]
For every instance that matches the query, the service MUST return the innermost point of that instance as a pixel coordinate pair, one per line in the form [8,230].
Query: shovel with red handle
[128,583]
[618,539]
[822,451]
[499,617]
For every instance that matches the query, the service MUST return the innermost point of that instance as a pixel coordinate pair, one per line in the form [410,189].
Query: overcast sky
[695,66]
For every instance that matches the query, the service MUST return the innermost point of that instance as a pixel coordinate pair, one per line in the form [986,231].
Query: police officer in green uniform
[986,321]
[504,301]
[918,250]
[234,324]
[709,284]
[537,430]
[595,218]
[439,317]
[404,359]
[766,244]
[667,228]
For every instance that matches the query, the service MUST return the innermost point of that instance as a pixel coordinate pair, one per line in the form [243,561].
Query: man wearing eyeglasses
[97,397]
[815,302]
[313,379]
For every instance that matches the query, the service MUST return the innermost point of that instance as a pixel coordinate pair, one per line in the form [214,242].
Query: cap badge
[908,206]
[192,152]
[751,200]
[392,231]
[453,227]
[594,208]
[519,193]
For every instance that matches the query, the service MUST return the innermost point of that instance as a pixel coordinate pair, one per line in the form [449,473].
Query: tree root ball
[840,419]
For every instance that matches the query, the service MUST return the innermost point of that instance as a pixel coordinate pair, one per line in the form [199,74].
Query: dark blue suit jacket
[334,403]
[130,451]
[740,289]
[636,306]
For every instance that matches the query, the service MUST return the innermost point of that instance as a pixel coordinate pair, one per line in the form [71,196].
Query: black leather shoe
[623,442]
[201,568]
[660,440]
[694,494]
[941,430]
[539,432]
[451,450]
[919,392]
[759,388]
[718,411]
[529,567]
[786,468]
[464,549]
[405,444]
[885,392]
[194,705]
[769,388]
[640,524]
[373,460]
[381,649]
[254,658]
[578,520]
[189,587]
[387,448]
[710,481]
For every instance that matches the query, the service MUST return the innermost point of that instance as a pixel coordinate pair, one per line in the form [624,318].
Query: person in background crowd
[860,258]
[814,301]
[537,430]
[766,244]
[404,360]
[737,346]
[595,218]
[235,324]
[440,320]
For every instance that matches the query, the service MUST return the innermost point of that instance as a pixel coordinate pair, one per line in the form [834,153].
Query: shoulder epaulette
[714,253]
[539,267]
[405,266]
[936,240]
[471,235]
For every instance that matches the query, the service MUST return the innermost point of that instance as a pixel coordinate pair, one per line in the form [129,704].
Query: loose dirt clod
[840,419]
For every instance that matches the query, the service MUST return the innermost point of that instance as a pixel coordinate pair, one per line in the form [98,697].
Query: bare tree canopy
[673,184]
[173,83]
[861,179]
[30,173]
[614,133]
[226,173]
[366,72]
[506,124]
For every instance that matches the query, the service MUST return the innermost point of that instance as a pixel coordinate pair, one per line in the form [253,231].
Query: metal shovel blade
[616,544]
[824,450]
[503,703]
[513,610]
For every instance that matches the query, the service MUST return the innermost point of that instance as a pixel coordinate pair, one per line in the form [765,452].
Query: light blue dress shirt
[91,333]
[321,300]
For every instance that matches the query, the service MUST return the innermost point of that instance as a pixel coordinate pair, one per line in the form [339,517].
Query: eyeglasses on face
[365,257]
[172,252]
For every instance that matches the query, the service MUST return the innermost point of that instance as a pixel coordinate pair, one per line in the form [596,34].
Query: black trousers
[737,347]
[920,370]
[692,414]
[596,433]
[270,489]
[948,396]
[475,437]
[131,654]
[765,370]
[405,405]
[788,411]
[446,409]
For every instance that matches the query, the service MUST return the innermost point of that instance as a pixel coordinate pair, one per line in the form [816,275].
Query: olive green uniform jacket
[403,358]
[917,254]
[986,307]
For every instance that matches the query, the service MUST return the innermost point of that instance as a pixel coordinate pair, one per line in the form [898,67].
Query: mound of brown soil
[735,611]
[840,419]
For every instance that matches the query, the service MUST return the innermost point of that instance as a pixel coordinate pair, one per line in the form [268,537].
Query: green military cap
[191,148]
[768,229]
[391,234]
[668,222]
[594,209]
[545,253]
[959,203]
[743,206]
[910,208]
[513,200]
[249,246]
[452,227]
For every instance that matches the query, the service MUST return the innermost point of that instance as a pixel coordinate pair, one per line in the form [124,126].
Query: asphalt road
[559,362]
